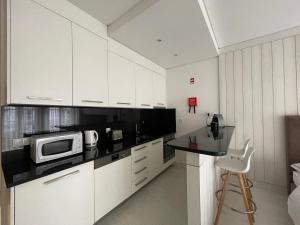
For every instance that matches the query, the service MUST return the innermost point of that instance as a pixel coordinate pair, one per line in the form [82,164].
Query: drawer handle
[92,101]
[142,181]
[138,149]
[154,143]
[141,170]
[44,98]
[160,103]
[61,177]
[123,103]
[145,105]
[141,159]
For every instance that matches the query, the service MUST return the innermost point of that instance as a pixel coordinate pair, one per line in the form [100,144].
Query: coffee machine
[217,122]
[216,126]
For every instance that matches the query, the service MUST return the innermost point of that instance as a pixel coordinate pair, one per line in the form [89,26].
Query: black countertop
[204,141]
[18,168]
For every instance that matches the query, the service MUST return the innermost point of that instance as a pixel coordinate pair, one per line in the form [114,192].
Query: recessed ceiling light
[159,40]
[175,54]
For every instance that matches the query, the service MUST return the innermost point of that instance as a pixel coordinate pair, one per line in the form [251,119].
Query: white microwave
[47,147]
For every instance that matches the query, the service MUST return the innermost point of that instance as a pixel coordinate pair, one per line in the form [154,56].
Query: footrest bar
[254,206]
[235,185]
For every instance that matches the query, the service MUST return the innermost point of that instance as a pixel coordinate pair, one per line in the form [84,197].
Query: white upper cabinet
[90,84]
[144,87]
[121,81]
[159,90]
[41,55]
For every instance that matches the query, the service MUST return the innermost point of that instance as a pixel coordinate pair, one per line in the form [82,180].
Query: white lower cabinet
[112,186]
[147,163]
[62,198]
[156,156]
[140,175]
[82,195]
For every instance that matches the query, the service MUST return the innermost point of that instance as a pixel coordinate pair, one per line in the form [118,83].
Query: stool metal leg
[222,198]
[244,194]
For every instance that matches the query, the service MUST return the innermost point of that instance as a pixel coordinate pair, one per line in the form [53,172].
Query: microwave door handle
[56,156]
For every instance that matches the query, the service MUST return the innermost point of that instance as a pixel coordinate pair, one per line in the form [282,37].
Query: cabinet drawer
[139,170]
[140,150]
[140,182]
[139,161]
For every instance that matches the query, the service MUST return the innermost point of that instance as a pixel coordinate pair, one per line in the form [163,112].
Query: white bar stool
[239,154]
[238,167]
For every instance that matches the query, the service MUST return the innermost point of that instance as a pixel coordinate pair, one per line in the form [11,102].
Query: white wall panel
[238,99]
[262,86]
[230,94]
[258,136]
[267,84]
[291,107]
[279,111]
[247,99]
[222,86]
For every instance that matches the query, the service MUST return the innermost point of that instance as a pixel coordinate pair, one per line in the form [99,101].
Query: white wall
[206,89]
[258,87]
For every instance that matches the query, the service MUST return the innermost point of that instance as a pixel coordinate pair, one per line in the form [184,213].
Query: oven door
[54,148]
[169,153]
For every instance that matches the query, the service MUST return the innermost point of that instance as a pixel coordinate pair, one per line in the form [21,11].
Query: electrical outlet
[21,142]
[26,141]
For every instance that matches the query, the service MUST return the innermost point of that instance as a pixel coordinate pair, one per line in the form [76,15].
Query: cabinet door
[62,198]
[156,158]
[159,90]
[89,68]
[144,87]
[121,81]
[41,55]
[112,186]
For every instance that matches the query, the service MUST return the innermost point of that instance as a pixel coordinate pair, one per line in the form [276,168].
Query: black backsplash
[22,121]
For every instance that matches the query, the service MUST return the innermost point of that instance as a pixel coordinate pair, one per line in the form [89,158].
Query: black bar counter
[205,141]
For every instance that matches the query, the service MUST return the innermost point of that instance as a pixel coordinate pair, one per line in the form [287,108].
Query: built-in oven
[169,152]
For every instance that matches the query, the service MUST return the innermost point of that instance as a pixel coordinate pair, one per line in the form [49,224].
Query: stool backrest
[247,160]
[246,148]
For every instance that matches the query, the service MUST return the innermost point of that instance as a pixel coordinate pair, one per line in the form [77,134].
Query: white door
[62,198]
[41,55]
[144,87]
[159,90]
[156,158]
[121,81]
[112,186]
[89,68]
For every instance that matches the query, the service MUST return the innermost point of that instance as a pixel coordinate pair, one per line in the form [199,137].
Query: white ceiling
[107,11]
[181,27]
[235,21]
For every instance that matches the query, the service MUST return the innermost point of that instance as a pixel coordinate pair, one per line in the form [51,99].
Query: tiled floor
[163,202]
